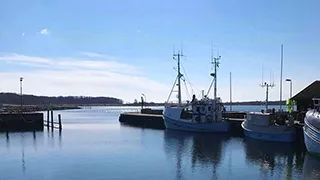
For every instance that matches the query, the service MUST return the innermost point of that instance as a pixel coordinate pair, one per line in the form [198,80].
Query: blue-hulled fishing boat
[265,126]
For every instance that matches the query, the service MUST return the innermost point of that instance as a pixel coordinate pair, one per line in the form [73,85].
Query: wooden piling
[51,120]
[60,125]
[48,119]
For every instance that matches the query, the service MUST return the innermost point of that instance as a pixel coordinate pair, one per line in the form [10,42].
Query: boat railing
[169,104]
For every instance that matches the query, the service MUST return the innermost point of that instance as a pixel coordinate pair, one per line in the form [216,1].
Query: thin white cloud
[85,82]
[69,76]
[93,55]
[23,34]
[44,31]
[69,63]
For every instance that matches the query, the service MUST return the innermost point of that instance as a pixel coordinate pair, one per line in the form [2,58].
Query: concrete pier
[155,121]
[21,122]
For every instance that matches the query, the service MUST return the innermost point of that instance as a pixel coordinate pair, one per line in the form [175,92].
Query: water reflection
[24,142]
[311,167]
[273,157]
[176,146]
[205,150]
[7,140]
[52,140]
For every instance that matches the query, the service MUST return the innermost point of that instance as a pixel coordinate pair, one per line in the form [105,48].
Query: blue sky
[124,48]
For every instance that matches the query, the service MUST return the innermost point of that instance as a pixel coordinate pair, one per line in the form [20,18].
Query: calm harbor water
[93,145]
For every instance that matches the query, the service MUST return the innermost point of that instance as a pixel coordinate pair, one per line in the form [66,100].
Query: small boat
[205,115]
[311,129]
[266,126]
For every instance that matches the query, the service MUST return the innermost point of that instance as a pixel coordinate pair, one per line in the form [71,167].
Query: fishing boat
[203,115]
[311,128]
[268,127]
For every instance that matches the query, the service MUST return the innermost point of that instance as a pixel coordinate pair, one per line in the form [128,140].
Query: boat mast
[215,62]
[178,55]
[216,65]
[230,93]
[281,77]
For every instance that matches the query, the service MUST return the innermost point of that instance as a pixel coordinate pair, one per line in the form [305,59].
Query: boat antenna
[262,75]
[211,48]
[270,76]
[181,44]
[178,55]
[215,61]
[267,86]
[173,49]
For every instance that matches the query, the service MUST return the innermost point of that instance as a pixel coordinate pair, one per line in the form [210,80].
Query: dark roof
[311,91]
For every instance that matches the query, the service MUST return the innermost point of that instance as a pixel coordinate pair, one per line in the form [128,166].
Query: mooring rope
[189,82]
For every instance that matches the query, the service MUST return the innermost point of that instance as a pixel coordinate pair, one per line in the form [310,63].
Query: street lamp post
[289,80]
[21,78]
[145,98]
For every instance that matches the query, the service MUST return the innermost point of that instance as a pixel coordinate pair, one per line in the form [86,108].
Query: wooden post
[51,120]
[60,125]
[141,102]
[7,135]
[48,119]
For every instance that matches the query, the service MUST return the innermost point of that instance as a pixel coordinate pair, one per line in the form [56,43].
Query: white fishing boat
[204,115]
[311,128]
[269,127]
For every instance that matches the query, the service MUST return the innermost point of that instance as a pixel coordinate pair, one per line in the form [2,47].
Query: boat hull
[271,137]
[275,137]
[312,145]
[311,140]
[311,132]
[170,123]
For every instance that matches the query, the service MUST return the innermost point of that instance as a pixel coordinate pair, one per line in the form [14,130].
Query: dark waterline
[93,145]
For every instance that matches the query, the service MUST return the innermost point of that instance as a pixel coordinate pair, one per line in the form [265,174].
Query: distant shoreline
[13,108]
[256,103]
[10,108]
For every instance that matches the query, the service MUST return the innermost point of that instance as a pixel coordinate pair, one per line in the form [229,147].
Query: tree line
[13,98]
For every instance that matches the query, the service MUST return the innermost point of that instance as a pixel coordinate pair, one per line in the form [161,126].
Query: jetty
[14,118]
[149,118]
[17,122]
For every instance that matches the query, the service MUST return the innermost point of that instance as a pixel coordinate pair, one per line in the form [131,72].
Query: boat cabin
[259,118]
[207,110]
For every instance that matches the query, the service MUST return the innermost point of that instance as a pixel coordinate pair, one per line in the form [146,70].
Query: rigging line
[174,84]
[210,87]
[189,82]
[187,78]
[188,95]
